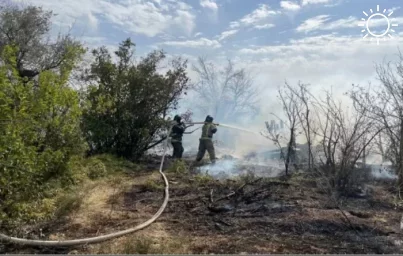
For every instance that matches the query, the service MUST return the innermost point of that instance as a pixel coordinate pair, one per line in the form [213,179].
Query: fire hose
[102,238]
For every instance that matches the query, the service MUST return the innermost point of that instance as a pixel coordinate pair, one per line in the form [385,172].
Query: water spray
[227,126]
[193,123]
[239,129]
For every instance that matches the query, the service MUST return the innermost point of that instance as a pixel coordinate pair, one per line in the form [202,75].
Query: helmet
[209,119]
[177,118]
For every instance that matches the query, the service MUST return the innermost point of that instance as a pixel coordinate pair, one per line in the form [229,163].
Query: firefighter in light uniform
[206,140]
[176,135]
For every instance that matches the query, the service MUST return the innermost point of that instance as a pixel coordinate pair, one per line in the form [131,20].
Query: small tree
[28,30]
[128,102]
[292,110]
[384,105]
[306,119]
[227,93]
[344,137]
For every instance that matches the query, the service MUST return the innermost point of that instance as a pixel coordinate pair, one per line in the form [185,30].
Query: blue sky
[318,42]
[210,27]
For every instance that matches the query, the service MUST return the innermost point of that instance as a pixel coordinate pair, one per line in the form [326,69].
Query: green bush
[39,134]
[125,108]
[96,169]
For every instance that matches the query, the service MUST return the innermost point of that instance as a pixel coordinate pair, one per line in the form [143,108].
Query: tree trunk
[310,155]
[400,164]
[364,157]
[289,151]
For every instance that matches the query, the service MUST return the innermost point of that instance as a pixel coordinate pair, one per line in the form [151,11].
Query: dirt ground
[246,215]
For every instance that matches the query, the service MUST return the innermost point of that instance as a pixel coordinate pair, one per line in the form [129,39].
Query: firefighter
[176,135]
[206,140]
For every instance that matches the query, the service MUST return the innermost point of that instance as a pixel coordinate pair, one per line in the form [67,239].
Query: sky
[317,42]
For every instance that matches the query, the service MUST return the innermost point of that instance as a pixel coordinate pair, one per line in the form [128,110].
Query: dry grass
[153,185]
[203,180]
[187,226]
[153,240]
[141,244]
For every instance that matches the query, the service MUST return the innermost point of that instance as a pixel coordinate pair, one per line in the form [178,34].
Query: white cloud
[226,34]
[290,6]
[322,22]
[306,2]
[313,23]
[337,54]
[393,9]
[68,11]
[212,9]
[257,17]
[265,26]
[149,18]
[92,20]
[198,34]
[381,22]
[209,4]
[302,46]
[95,41]
[200,43]
[234,24]
[322,61]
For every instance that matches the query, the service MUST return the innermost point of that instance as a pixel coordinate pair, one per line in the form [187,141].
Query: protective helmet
[178,118]
[209,119]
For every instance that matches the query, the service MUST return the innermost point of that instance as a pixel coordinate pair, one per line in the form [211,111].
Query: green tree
[39,132]
[128,102]
[28,29]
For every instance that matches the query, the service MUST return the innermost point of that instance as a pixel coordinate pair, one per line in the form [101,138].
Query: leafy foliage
[39,133]
[44,122]
[27,29]
[127,103]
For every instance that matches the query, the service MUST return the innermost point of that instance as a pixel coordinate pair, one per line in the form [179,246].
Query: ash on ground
[230,167]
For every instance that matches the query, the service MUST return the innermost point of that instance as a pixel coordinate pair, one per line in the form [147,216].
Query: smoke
[232,168]
[384,172]
[243,114]
[223,168]
[233,142]
[379,169]
[229,140]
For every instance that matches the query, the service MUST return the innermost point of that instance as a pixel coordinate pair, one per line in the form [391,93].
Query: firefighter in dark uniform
[206,140]
[176,135]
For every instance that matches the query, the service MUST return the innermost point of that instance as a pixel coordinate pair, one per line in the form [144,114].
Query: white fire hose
[102,238]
